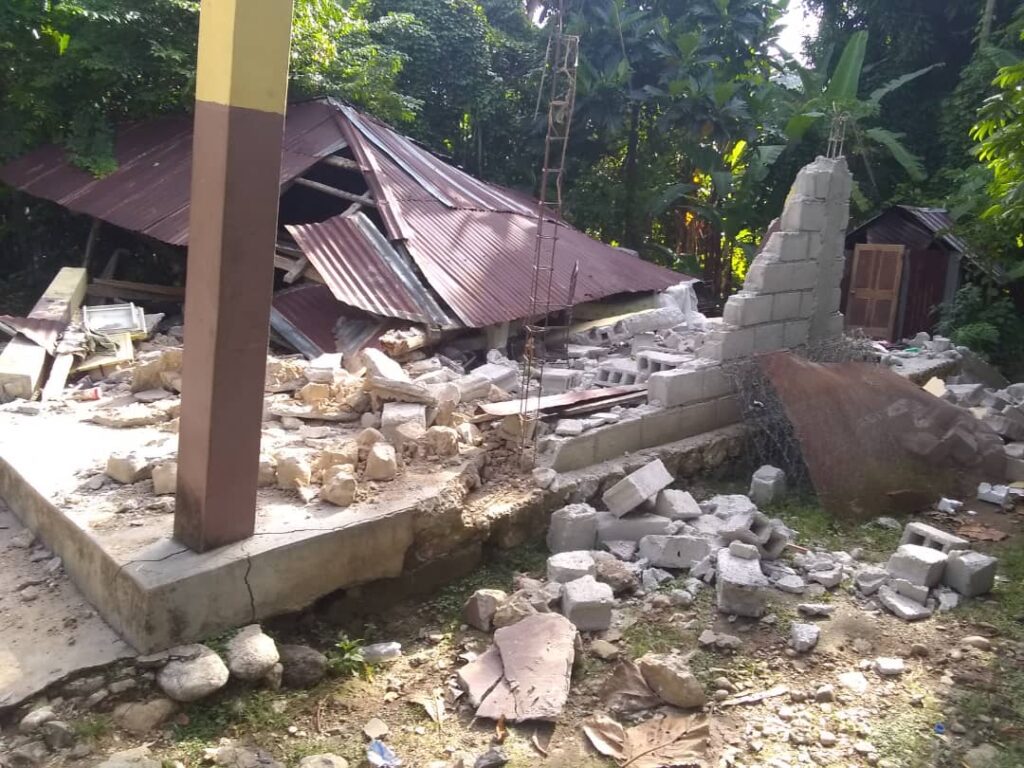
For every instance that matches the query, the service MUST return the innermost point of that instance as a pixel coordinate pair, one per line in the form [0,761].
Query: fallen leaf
[541,739]
[981,532]
[606,736]
[753,698]
[627,692]
[433,705]
[500,731]
[675,740]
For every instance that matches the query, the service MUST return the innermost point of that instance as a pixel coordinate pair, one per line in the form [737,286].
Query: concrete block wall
[791,293]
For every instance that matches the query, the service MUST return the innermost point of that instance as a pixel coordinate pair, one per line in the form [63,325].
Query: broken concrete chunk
[904,607]
[749,527]
[632,527]
[970,573]
[165,478]
[623,550]
[637,487]
[803,637]
[569,428]
[281,375]
[379,364]
[725,506]
[887,666]
[744,550]
[470,434]
[674,551]
[395,415]
[126,468]
[949,505]
[934,538]
[368,437]
[677,505]
[792,584]
[741,588]
[916,593]
[828,579]
[621,577]
[480,676]
[267,472]
[340,485]
[588,603]
[918,565]
[994,494]
[481,606]
[564,567]
[515,609]
[293,470]
[443,441]
[669,676]
[381,462]
[472,388]
[767,485]
[338,454]
[573,528]
[869,580]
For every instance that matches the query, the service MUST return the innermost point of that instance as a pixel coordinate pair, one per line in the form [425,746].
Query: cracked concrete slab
[49,632]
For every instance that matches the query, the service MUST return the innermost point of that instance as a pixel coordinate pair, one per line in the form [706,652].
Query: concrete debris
[970,573]
[564,567]
[632,527]
[543,477]
[127,468]
[791,583]
[669,676]
[635,488]
[339,485]
[573,528]
[165,478]
[994,494]
[293,470]
[620,576]
[749,527]
[740,586]
[934,538]
[481,606]
[949,505]
[515,609]
[917,564]
[887,666]
[479,677]
[381,462]
[679,551]
[588,604]
[869,580]
[623,550]
[903,607]
[916,593]
[767,485]
[652,578]
[677,505]
[816,610]
[803,637]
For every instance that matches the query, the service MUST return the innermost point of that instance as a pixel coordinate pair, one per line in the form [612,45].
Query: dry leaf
[500,731]
[677,740]
[606,736]
[542,739]
[627,692]
[433,705]
[981,532]
[753,698]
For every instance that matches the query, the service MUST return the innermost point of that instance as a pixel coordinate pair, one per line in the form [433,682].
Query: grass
[815,527]
[907,737]
[93,727]
[654,637]
[255,712]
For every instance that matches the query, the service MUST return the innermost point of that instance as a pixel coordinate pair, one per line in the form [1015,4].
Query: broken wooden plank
[127,290]
[58,378]
[335,192]
[341,162]
[23,363]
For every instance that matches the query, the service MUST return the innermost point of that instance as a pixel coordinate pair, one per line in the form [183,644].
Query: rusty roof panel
[481,263]
[149,191]
[364,270]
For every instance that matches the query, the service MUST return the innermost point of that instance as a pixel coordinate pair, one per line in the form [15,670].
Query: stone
[194,672]
[615,573]
[564,567]
[677,505]
[127,468]
[588,603]
[144,717]
[889,666]
[325,760]
[918,565]
[815,610]
[741,588]
[935,538]
[368,437]
[543,477]
[479,676]
[669,676]
[293,470]
[779,537]
[673,551]
[803,637]
[573,528]
[58,735]
[749,527]
[913,591]
[274,678]
[31,753]
[303,667]
[481,606]
[970,573]
[828,579]
[267,476]
[653,578]
[637,487]
[825,693]
[139,757]
[792,584]
[165,478]
[623,550]
[745,551]
[340,486]
[381,462]
[34,720]
[233,756]
[981,756]
[632,527]
[443,441]
[903,607]
[569,427]
[251,653]
[375,728]
[513,610]
[854,681]
[869,580]
[767,485]
[604,650]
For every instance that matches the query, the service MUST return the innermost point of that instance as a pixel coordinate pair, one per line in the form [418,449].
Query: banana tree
[836,104]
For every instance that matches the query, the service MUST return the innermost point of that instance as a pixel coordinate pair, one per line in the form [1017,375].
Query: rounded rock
[304,667]
[194,673]
[326,760]
[251,653]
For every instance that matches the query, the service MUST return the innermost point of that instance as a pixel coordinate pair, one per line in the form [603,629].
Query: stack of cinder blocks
[792,290]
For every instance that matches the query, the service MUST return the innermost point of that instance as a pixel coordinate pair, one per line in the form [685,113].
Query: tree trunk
[986,22]
[632,235]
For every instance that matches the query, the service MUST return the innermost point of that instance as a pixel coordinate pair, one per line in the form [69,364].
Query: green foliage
[346,658]
[985,319]
[93,727]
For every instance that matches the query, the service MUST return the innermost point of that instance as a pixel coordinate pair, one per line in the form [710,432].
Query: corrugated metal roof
[939,223]
[895,224]
[312,311]
[149,191]
[364,270]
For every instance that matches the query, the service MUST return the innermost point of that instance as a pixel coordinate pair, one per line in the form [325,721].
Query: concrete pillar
[241,86]
[497,336]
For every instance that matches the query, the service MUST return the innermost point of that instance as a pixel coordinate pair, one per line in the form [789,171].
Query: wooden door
[874,297]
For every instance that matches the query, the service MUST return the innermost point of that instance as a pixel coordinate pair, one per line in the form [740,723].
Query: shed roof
[907,223]
[473,242]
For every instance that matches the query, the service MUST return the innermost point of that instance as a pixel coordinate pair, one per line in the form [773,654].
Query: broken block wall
[792,291]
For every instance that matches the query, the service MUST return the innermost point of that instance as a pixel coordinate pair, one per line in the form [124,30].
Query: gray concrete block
[677,387]
[742,309]
[767,485]
[631,527]
[769,337]
[935,538]
[803,214]
[918,565]
[716,383]
[788,246]
[588,603]
[915,592]
[677,505]
[778,539]
[737,342]
[573,528]
[652,361]
[796,333]
[556,380]
[970,573]
[786,306]
[749,527]
[904,607]
[564,567]
[869,580]
[674,551]
[741,588]
[637,487]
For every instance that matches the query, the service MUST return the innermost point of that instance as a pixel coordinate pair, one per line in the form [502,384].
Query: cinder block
[556,380]
[780,277]
[674,551]
[786,306]
[677,505]
[768,338]
[737,342]
[716,383]
[788,246]
[662,426]
[588,603]
[918,565]
[652,361]
[929,536]
[796,333]
[744,309]
[741,588]
[970,573]
[698,418]
[631,527]
[564,567]
[637,487]
[613,440]
[803,214]
[727,411]
[678,387]
[574,452]
[808,304]
[767,485]
[573,528]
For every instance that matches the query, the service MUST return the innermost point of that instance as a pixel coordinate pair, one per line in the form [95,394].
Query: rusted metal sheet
[306,315]
[926,274]
[149,191]
[875,443]
[563,400]
[46,333]
[364,270]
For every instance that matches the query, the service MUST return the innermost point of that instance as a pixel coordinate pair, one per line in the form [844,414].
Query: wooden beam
[341,162]
[329,190]
[296,271]
[58,378]
[130,291]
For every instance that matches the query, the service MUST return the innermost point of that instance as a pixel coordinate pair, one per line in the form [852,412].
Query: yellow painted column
[241,91]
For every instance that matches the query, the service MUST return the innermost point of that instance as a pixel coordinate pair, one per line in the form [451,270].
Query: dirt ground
[951,697]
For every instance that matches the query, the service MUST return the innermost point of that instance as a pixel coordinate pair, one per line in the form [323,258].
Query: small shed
[900,266]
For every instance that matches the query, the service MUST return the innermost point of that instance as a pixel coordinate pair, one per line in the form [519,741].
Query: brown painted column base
[233,227]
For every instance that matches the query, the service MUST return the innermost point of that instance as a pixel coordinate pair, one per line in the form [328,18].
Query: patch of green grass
[92,727]
[255,712]
[906,736]
[1004,608]
[654,637]
[345,659]
[815,527]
